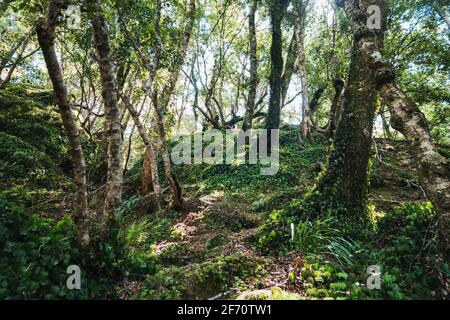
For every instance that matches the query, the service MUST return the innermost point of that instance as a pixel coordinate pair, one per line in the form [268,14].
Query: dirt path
[216,226]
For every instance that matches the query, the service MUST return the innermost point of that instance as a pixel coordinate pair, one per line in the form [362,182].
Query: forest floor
[230,239]
[226,223]
[201,236]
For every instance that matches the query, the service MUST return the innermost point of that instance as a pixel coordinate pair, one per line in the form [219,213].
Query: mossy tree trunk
[46,38]
[277,10]
[344,186]
[251,101]
[407,118]
[335,109]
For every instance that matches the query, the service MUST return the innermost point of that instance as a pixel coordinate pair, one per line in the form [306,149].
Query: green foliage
[418,47]
[23,164]
[274,293]
[402,242]
[35,253]
[231,219]
[38,239]
[200,281]
[27,114]
[163,285]
[137,240]
[297,164]
[313,237]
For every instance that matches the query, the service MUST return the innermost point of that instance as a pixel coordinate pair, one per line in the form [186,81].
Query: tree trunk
[114,181]
[334,111]
[307,125]
[407,118]
[174,185]
[46,39]
[250,110]
[150,178]
[289,67]
[386,126]
[278,7]
[343,187]
[161,102]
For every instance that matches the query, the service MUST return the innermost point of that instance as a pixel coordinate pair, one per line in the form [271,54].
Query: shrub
[35,254]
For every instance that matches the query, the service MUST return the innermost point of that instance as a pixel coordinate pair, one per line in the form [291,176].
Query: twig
[223,294]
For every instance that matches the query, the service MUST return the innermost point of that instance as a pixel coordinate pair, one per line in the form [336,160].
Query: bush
[35,254]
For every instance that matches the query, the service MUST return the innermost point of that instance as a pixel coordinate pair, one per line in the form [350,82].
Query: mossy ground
[233,235]
[226,216]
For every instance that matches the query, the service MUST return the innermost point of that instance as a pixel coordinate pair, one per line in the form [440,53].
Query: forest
[224,150]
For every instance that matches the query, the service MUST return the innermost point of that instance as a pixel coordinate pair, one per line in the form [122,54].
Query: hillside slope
[232,239]
[234,234]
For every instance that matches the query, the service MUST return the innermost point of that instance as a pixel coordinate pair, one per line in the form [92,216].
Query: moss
[294,159]
[211,278]
[30,116]
[199,281]
[33,149]
[30,170]
[269,294]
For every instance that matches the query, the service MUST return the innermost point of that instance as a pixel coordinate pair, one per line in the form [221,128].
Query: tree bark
[278,8]
[250,109]
[46,38]
[289,67]
[161,101]
[150,177]
[114,181]
[333,120]
[307,125]
[343,187]
[407,118]
[386,126]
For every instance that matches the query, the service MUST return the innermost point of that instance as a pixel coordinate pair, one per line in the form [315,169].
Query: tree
[343,187]
[336,107]
[46,37]
[14,57]
[251,100]
[161,101]
[300,23]
[277,11]
[290,67]
[114,181]
[407,118]
[150,166]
